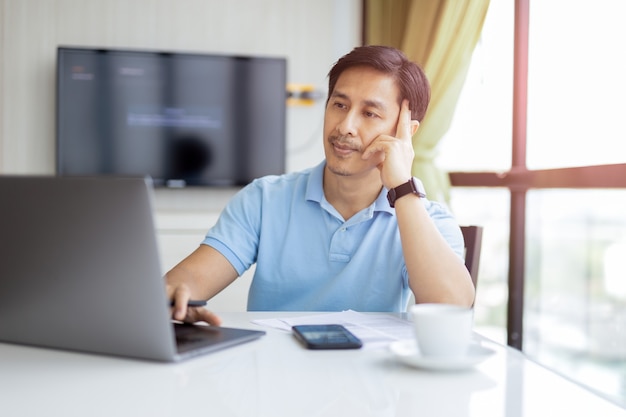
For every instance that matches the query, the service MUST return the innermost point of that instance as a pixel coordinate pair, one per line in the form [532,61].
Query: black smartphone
[326,336]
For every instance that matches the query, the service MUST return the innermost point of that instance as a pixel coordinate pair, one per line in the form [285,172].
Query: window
[479,138]
[577,83]
[561,206]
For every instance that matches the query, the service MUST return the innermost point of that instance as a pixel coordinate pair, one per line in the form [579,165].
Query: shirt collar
[315,184]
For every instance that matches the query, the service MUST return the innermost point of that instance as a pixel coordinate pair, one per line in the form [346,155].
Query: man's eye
[340,105]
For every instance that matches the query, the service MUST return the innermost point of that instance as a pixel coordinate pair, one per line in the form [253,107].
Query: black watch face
[418,187]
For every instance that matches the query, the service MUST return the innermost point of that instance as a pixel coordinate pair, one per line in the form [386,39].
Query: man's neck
[351,194]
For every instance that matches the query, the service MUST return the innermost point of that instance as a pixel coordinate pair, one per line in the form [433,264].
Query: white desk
[274,376]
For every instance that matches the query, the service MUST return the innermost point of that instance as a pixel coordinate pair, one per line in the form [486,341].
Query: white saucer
[408,353]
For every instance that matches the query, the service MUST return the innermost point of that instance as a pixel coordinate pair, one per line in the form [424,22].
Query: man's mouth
[343,147]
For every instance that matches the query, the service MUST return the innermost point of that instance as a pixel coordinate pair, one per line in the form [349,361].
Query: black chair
[473,236]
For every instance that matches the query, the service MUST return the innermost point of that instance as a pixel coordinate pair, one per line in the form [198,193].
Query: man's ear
[414,125]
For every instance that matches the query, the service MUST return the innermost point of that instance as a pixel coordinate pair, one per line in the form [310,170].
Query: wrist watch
[412,186]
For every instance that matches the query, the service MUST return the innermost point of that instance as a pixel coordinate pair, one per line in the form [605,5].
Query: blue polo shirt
[308,258]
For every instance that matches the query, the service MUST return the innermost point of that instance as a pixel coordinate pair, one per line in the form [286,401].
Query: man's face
[363,105]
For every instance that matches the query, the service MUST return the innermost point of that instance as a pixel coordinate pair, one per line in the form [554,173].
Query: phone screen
[326,336]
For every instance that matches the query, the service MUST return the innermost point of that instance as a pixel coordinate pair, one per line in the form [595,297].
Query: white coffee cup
[442,330]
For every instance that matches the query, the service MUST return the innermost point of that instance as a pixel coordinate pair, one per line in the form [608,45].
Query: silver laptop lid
[80,267]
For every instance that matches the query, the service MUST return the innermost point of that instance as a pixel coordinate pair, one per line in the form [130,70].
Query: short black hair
[411,79]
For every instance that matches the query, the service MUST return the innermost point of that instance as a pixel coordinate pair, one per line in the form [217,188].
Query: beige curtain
[440,35]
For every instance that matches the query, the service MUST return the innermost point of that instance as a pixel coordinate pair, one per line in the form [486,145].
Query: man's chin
[345,170]
[341,171]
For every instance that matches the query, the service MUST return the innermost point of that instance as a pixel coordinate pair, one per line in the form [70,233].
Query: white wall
[310,34]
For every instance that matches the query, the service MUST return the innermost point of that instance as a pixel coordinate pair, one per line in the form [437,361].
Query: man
[327,238]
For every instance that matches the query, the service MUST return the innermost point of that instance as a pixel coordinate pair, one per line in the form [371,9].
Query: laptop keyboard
[189,336]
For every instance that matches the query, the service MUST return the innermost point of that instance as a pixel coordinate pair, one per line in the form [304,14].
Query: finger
[180,297]
[375,148]
[210,317]
[403,129]
[196,314]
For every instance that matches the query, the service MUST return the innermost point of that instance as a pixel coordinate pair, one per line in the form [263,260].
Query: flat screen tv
[180,118]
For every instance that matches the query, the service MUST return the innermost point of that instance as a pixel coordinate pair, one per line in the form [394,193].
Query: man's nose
[348,125]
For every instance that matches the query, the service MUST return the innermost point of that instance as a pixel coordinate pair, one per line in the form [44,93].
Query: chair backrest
[473,236]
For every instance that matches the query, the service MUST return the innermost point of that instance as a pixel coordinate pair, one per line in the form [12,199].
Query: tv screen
[181,118]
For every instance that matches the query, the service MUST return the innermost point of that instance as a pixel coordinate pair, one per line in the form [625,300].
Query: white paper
[374,330]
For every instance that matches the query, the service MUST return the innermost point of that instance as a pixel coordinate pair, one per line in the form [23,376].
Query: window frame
[519,179]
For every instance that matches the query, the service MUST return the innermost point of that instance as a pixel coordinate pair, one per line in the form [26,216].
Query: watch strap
[412,186]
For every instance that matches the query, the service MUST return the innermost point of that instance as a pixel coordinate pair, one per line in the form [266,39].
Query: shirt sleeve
[447,226]
[236,233]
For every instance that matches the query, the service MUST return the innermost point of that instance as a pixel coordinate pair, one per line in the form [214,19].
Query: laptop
[80,270]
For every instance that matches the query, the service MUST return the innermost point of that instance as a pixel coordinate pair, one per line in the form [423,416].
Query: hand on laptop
[181,311]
